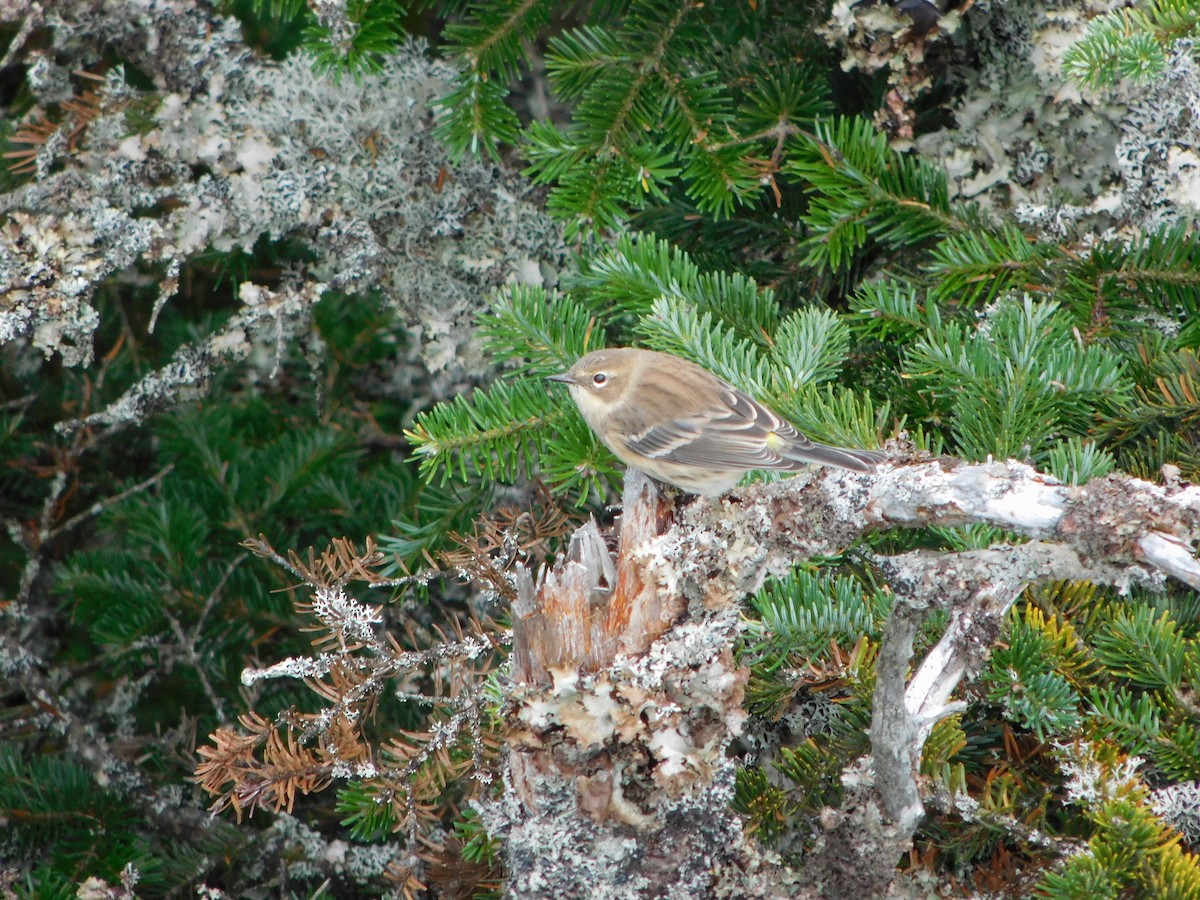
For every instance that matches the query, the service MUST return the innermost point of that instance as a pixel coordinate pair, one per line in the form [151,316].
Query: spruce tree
[297,531]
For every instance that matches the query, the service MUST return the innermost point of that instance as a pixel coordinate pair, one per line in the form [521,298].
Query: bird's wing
[737,434]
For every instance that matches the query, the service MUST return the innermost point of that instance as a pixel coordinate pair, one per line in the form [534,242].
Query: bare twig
[101,505]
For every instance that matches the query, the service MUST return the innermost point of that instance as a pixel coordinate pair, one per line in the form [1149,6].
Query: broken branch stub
[622,714]
[588,607]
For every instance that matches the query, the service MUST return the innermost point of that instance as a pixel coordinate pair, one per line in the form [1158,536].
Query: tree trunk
[619,782]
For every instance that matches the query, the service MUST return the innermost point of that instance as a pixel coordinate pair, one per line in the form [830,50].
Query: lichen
[229,149]
[312,855]
[1179,804]
[1024,138]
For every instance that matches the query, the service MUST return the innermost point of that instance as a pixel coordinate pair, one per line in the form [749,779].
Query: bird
[684,426]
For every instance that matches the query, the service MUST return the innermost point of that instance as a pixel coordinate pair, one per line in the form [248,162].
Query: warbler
[684,426]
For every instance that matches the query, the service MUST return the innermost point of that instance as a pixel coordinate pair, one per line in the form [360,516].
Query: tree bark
[618,782]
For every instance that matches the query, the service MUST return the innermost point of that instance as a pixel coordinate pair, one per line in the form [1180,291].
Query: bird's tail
[842,457]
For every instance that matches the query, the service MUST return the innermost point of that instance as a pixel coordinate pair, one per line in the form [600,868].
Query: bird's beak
[565,378]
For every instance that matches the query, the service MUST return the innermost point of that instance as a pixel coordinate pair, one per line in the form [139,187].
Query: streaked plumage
[682,425]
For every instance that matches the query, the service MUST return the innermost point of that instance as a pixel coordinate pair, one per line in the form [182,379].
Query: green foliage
[836,414]
[656,109]
[1044,670]
[1017,380]
[972,537]
[1076,461]
[1177,754]
[765,806]
[1145,648]
[374,32]
[491,41]
[811,655]
[161,607]
[477,845]
[1035,675]
[1108,289]
[476,119]
[1167,392]
[371,29]
[1131,854]
[894,310]
[490,432]
[643,117]
[549,332]
[815,768]
[1052,682]
[862,191]
[1131,43]
[809,614]
[1133,719]
[520,425]
[680,328]
[368,815]
[235,473]
[1111,288]
[981,265]
[436,514]
[946,741]
[57,804]
[629,277]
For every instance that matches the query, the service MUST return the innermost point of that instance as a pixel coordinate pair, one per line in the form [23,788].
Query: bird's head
[598,380]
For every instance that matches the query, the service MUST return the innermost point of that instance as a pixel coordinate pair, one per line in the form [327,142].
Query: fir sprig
[548,331]
[811,614]
[1036,675]
[1017,380]
[1131,43]
[494,433]
[861,190]
[634,273]
[491,42]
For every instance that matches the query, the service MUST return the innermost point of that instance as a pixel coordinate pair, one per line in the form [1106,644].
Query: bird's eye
[599,379]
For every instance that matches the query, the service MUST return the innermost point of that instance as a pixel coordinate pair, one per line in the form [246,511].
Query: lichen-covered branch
[617,732]
[228,149]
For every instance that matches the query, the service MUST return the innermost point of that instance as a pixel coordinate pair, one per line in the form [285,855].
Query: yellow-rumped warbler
[682,425]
